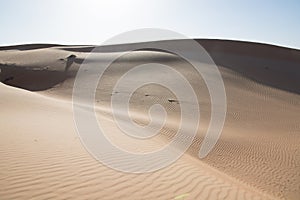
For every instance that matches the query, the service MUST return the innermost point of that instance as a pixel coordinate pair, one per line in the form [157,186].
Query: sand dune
[257,156]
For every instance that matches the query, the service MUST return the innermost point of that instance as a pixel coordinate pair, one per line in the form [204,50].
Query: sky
[94,21]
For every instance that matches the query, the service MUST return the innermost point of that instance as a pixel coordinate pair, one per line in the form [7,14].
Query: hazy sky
[92,21]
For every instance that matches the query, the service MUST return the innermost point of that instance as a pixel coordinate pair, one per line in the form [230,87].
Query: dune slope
[257,156]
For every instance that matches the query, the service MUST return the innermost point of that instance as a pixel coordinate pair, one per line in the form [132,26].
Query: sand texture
[256,157]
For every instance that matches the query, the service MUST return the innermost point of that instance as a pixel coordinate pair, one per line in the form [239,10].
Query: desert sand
[256,157]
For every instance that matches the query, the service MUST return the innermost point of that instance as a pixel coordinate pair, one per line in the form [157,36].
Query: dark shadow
[173,101]
[70,61]
[274,66]
[29,79]
[25,47]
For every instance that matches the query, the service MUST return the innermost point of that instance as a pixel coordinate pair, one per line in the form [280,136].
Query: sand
[257,156]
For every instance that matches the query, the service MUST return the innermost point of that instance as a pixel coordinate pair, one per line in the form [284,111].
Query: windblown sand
[257,156]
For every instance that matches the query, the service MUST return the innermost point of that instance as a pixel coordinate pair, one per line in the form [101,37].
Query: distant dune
[257,156]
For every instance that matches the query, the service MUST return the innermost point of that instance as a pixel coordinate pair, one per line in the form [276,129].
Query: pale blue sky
[92,21]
